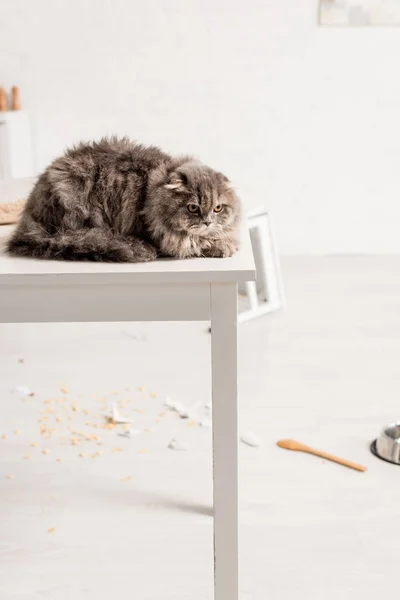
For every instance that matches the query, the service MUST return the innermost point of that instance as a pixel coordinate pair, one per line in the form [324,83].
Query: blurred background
[303,118]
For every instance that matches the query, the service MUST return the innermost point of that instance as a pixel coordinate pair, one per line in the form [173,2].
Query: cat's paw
[221,251]
[142,251]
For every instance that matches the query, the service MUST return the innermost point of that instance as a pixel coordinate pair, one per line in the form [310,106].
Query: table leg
[225,440]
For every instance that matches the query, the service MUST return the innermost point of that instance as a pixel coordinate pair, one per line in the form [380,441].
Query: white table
[165,290]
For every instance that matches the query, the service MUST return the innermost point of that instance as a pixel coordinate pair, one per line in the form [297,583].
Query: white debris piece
[185,412]
[251,439]
[131,433]
[205,423]
[208,406]
[134,335]
[22,390]
[116,417]
[169,403]
[180,409]
[176,445]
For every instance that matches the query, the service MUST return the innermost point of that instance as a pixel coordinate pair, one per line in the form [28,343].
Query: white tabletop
[19,271]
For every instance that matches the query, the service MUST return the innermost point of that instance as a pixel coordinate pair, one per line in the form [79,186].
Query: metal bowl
[387,446]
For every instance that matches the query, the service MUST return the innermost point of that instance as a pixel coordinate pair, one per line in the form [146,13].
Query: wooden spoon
[293,445]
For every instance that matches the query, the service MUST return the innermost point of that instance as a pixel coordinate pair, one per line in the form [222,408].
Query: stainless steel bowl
[387,446]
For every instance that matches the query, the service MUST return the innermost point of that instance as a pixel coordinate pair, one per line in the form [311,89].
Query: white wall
[304,119]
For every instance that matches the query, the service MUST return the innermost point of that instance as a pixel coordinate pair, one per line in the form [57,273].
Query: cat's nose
[207,223]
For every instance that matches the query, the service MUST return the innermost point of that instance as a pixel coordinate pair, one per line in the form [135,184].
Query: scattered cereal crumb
[153,395]
[161,414]
[3,437]
[17,432]
[47,402]
[82,454]
[27,457]
[117,449]
[109,426]
[192,423]
[99,443]
[46,451]
[88,423]
[75,442]
[143,450]
[59,419]
[51,529]
[58,459]
[85,411]
[141,388]
[126,478]
[10,476]
[64,390]
[74,406]
[126,427]
[96,454]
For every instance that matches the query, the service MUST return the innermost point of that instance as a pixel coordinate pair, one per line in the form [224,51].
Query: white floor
[325,371]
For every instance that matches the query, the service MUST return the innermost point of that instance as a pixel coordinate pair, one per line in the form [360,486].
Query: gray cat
[118,201]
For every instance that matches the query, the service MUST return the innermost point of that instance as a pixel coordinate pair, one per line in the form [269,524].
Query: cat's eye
[193,208]
[218,208]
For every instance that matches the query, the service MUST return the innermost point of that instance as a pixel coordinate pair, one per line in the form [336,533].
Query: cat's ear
[227,185]
[174,185]
[177,182]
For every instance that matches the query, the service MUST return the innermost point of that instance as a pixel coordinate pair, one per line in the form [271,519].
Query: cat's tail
[93,244]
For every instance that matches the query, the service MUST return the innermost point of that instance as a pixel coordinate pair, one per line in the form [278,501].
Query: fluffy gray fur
[119,201]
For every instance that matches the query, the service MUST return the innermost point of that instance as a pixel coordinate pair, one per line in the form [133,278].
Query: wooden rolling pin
[15,98]
[3,100]
[293,445]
